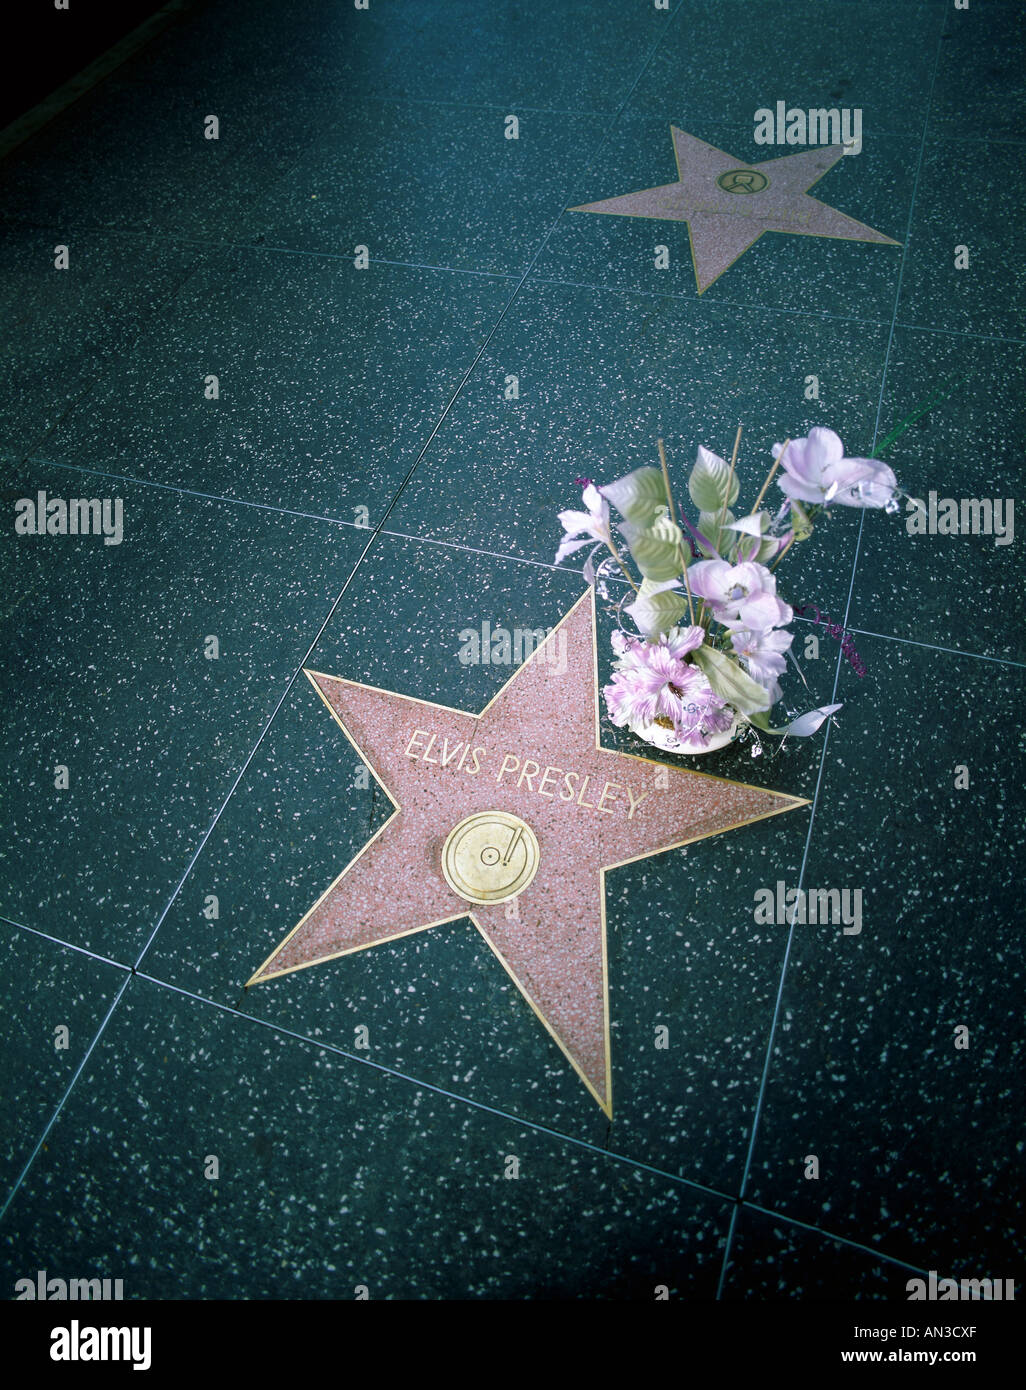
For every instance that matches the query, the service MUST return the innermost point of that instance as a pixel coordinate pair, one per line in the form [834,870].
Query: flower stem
[769,478]
[619,561]
[786,548]
[673,518]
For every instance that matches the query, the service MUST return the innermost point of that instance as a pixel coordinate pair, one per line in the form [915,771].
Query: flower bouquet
[692,687]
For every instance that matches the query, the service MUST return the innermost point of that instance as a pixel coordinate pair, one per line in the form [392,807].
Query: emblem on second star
[728,204]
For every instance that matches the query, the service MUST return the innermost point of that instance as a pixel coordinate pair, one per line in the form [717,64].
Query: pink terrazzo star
[728,204]
[534,753]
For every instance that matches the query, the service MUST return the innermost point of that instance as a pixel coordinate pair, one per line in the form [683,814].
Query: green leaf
[800,523]
[730,682]
[656,549]
[639,497]
[753,542]
[650,587]
[709,525]
[657,612]
[709,482]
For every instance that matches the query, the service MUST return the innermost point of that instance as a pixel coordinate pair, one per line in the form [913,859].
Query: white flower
[593,524]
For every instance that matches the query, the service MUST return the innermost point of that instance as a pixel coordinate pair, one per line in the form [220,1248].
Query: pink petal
[797,488]
[575,522]
[568,547]
[823,447]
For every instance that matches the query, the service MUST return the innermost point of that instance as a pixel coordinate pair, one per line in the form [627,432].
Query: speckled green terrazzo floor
[362,491]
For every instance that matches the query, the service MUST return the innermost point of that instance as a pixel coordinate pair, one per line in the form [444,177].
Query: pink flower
[728,586]
[762,612]
[815,470]
[678,642]
[654,682]
[650,684]
[681,640]
[762,652]
[704,714]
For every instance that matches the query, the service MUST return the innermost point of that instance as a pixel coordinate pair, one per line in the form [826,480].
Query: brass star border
[554,946]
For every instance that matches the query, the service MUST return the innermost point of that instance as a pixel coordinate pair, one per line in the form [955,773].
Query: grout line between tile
[843,1240]
[251,755]
[34,460]
[931,646]
[820,315]
[771,1039]
[533,1125]
[67,1092]
[404,1077]
[959,333]
[431,1086]
[370,543]
[68,945]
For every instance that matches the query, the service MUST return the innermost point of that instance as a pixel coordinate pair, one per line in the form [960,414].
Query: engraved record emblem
[489,857]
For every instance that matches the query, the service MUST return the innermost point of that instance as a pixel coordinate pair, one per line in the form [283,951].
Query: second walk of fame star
[728,204]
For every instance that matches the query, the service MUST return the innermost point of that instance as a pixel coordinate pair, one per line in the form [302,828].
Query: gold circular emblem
[489,857]
[742,181]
